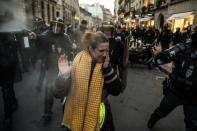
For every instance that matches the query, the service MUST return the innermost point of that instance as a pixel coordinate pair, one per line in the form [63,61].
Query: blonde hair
[93,39]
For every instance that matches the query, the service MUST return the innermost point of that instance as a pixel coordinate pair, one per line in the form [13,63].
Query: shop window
[178,23]
[188,21]
[57,14]
[182,23]
[145,2]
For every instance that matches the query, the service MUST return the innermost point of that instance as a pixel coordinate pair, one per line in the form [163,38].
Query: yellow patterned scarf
[81,111]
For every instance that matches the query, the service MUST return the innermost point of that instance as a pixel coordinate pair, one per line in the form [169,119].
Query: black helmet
[59,22]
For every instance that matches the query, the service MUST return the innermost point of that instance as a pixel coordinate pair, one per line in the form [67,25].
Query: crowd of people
[83,67]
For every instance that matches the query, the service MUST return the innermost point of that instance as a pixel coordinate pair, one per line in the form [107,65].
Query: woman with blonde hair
[92,80]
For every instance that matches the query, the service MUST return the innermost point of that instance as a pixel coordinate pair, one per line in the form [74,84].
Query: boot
[153,119]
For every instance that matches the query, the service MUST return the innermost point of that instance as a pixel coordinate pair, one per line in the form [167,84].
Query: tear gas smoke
[12,16]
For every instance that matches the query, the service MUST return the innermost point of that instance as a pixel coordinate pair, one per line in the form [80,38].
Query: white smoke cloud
[13,15]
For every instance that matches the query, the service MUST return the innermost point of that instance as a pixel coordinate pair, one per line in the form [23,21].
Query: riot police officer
[8,66]
[181,86]
[122,53]
[149,36]
[53,44]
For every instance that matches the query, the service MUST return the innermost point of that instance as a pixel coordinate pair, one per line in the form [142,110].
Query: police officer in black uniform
[8,65]
[181,86]
[149,36]
[53,44]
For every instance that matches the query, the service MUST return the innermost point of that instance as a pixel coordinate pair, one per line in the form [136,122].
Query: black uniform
[149,36]
[50,43]
[181,86]
[8,69]
[121,54]
[177,38]
[166,37]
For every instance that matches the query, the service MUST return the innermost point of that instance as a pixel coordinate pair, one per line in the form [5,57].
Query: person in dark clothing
[115,53]
[157,36]
[166,38]
[122,55]
[181,86]
[177,37]
[8,68]
[9,64]
[136,33]
[149,36]
[39,27]
[187,34]
[53,44]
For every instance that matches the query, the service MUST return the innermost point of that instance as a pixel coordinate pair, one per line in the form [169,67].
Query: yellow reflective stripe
[102,114]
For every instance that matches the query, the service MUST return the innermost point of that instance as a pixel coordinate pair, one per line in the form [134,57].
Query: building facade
[85,15]
[15,15]
[107,15]
[176,13]
[157,13]
[68,10]
[45,9]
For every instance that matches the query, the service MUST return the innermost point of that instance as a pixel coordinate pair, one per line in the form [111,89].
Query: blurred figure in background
[166,38]
[78,34]
[177,37]
[53,43]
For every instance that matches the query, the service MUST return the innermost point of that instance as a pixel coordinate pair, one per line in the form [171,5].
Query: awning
[180,16]
[145,19]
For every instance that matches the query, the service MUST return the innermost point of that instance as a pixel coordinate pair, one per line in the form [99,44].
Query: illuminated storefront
[181,20]
[147,2]
[147,22]
[131,23]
